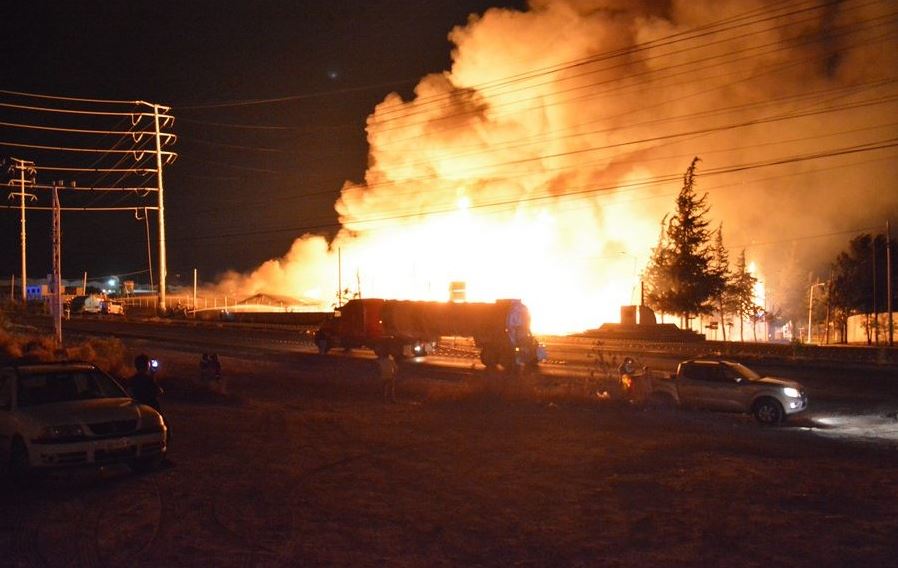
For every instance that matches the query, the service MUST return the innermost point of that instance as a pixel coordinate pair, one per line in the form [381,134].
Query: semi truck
[404,328]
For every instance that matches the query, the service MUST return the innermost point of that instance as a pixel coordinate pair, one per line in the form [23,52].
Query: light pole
[811,307]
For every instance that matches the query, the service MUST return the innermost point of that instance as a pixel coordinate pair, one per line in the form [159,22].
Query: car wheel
[769,411]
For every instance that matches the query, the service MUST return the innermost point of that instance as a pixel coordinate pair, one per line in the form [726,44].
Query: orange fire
[540,165]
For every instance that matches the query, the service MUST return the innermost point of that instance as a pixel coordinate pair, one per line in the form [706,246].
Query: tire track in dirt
[236,511]
[81,523]
[128,521]
[23,534]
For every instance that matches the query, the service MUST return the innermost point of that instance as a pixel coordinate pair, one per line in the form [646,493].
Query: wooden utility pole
[875,306]
[889,283]
[163,270]
[194,292]
[56,285]
[24,167]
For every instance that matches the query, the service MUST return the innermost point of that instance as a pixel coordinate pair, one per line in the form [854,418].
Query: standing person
[387,369]
[215,374]
[143,385]
[204,369]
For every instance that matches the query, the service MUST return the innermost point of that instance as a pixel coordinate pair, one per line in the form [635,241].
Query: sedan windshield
[744,371]
[66,385]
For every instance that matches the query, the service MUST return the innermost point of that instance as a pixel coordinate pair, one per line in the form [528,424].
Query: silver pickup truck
[719,384]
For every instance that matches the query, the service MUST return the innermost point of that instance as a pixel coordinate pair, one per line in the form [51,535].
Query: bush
[108,354]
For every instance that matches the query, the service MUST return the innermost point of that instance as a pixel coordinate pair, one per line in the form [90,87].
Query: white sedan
[56,415]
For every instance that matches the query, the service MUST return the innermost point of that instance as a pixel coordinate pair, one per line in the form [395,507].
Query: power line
[76,149]
[131,133]
[72,99]
[585,192]
[78,112]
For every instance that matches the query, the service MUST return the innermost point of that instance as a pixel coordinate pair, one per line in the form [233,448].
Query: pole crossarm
[146,138]
[45,208]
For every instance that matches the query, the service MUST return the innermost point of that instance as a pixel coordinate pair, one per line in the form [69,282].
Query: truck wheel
[769,411]
[509,364]
[398,351]
[489,357]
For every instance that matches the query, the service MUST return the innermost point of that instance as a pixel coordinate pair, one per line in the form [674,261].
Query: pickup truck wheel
[769,411]
[662,401]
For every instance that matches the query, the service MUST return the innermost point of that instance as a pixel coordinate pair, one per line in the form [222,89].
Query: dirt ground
[302,463]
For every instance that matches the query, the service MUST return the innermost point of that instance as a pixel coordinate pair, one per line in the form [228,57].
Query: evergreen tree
[742,294]
[680,277]
[721,267]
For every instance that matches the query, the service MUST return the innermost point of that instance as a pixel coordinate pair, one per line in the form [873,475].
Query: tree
[853,284]
[680,277]
[721,266]
[742,294]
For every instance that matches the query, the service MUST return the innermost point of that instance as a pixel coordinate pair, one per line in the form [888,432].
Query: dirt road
[305,465]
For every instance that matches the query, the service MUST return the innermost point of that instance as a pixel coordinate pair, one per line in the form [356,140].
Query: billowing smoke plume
[542,163]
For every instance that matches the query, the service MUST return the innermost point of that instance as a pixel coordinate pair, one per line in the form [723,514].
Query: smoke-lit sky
[532,153]
[333,61]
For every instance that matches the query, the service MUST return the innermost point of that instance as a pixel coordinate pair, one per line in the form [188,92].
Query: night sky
[236,196]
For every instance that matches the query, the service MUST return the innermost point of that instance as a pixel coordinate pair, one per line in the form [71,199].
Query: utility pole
[194,293]
[163,272]
[57,265]
[811,309]
[146,222]
[23,167]
[875,307]
[829,287]
[889,283]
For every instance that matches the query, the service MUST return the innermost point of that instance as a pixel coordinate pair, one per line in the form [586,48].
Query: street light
[811,307]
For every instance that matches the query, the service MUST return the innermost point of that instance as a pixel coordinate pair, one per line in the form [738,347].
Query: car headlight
[60,433]
[791,392]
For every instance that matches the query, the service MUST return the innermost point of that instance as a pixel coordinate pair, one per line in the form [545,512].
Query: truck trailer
[403,328]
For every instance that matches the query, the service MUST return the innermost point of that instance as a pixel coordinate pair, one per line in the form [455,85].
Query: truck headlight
[60,433]
[791,392]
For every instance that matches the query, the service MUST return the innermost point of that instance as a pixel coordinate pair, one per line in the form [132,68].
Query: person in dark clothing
[143,385]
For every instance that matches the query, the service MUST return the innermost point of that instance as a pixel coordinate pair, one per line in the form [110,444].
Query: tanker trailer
[402,327]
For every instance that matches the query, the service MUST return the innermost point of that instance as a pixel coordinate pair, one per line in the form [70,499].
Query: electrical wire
[71,99]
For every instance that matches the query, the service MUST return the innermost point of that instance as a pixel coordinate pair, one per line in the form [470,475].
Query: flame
[526,174]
